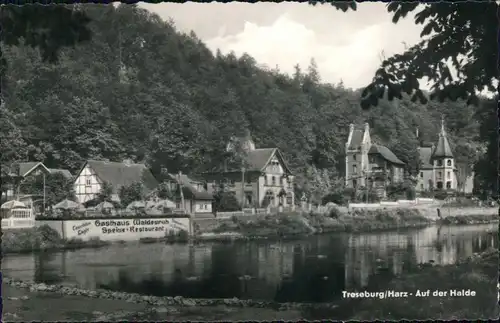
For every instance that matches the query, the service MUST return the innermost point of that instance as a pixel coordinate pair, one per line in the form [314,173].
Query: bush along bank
[469,219]
[289,225]
[158,300]
[44,238]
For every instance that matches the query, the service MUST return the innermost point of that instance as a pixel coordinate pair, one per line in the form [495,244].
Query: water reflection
[311,270]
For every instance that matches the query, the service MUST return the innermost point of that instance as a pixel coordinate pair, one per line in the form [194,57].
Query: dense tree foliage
[140,89]
[57,188]
[131,193]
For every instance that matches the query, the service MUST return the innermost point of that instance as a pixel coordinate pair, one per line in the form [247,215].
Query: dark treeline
[142,90]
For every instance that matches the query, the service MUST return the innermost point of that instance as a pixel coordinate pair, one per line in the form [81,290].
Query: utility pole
[242,187]
[44,192]
[180,189]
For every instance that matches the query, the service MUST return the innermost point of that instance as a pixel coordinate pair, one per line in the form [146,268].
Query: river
[314,269]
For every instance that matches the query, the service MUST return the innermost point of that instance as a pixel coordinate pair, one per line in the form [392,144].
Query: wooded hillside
[140,89]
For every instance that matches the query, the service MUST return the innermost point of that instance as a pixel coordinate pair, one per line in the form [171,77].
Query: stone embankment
[160,301]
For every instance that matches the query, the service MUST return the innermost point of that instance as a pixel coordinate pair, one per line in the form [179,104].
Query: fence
[399,203]
[18,219]
[252,211]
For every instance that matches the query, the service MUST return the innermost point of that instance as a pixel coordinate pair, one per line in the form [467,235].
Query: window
[449,162]
[448,184]
[421,174]
[273,181]
[249,199]
[265,180]
[440,174]
[177,205]
[205,206]
[354,183]
[354,169]
[440,185]
[448,175]
[89,182]
[439,162]
[354,157]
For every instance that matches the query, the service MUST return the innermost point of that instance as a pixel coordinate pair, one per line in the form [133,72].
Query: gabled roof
[386,153]
[188,188]
[65,172]
[425,154]
[26,168]
[258,159]
[443,148]
[121,174]
[357,139]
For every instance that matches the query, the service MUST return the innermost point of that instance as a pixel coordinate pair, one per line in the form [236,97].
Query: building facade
[196,198]
[94,173]
[370,165]
[438,168]
[260,179]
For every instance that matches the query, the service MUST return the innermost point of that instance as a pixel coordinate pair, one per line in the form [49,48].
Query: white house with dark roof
[196,198]
[438,169]
[94,173]
[263,178]
[368,164]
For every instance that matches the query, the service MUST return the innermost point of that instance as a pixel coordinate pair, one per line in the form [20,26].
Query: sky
[346,46]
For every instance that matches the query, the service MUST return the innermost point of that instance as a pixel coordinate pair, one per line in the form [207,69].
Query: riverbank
[44,238]
[25,301]
[292,225]
[250,227]
[478,273]
[25,305]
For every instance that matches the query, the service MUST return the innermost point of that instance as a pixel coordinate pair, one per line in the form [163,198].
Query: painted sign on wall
[123,229]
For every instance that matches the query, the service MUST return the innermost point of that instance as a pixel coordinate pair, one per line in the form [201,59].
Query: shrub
[410,193]
[334,212]
[440,195]
[335,197]
[172,236]
[226,202]
[24,240]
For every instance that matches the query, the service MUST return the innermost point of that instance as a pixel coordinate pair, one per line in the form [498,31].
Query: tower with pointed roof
[443,162]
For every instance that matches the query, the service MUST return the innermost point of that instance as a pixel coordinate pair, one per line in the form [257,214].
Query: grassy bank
[41,239]
[296,224]
[44,238]
[468,219]
[23,305]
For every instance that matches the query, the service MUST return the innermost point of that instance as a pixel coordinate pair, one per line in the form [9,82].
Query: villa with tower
[438,169]
[368,164]
[375,166]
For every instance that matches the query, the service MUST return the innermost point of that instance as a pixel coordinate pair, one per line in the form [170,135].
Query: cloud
[286,42]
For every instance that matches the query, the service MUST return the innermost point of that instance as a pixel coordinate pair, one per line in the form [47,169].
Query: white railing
[18,218]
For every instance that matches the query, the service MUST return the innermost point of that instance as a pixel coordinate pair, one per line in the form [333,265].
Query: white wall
[87,185]
[117,229]
[203,207]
